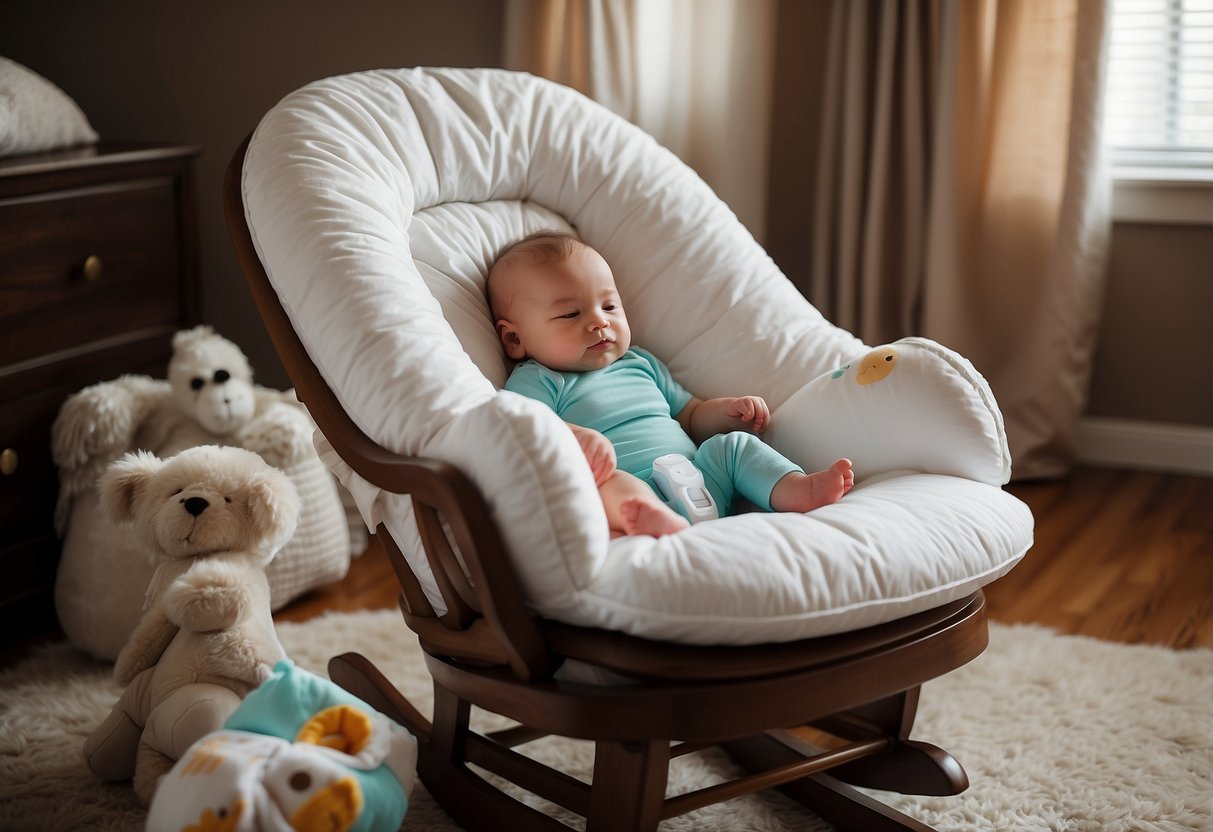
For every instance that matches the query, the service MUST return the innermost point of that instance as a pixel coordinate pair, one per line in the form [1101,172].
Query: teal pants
[738,463]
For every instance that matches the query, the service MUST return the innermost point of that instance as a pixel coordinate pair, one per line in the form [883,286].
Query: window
[1160,88]
[1159,111]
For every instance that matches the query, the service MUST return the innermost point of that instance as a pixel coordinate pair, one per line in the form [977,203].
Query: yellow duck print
[343,728]
[333,808]
[876,365]
[222,820]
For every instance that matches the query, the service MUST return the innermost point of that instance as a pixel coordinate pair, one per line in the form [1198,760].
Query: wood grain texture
[1124,556]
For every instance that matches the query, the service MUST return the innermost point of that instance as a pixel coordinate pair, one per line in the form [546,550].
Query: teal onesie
[634,402]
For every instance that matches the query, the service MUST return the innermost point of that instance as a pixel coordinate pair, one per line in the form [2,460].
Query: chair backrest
[486,619]
[376,203]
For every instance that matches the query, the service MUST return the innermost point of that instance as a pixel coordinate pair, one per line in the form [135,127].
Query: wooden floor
[1119,555]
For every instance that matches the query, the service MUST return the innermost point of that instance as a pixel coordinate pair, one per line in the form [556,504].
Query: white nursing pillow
[377,202]
[913,405]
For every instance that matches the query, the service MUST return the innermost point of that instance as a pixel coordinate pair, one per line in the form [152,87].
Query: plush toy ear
[186,337]
[124,481]
[274,507]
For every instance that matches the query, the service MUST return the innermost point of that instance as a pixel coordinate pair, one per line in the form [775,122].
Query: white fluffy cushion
[36,115]
[378,200]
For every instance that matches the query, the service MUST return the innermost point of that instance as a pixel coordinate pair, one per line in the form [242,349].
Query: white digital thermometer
[681,483]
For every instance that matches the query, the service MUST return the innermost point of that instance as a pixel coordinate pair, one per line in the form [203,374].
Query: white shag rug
[1056,732]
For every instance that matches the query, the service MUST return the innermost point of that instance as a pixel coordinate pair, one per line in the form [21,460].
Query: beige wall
[204,72]
[1154,360]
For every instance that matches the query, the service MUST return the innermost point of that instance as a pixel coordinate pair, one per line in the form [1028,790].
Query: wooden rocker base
[831,798]
[628,788]
[868,744]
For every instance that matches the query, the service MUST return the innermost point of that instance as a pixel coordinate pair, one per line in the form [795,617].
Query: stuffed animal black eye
[197,383]
[222,376]
[227,499]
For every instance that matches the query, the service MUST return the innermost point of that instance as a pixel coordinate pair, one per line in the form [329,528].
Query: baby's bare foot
[805,492]
[646,518]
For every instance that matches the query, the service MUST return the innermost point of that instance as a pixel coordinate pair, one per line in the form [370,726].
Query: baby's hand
[748,413]
[598,450]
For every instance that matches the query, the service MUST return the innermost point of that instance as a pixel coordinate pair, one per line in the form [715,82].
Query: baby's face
[565,314]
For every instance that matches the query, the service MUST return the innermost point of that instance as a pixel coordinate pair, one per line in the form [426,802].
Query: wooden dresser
[98,268]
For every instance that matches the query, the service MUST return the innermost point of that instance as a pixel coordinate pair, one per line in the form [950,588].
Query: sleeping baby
[557,310]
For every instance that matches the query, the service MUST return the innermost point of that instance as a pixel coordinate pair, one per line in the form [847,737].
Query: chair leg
[894,714]
[474,803]
[907,766]
[629,786]
[839,804]
[441,752]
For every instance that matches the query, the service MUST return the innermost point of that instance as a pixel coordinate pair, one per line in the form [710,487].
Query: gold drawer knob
[8,462]
[92,268]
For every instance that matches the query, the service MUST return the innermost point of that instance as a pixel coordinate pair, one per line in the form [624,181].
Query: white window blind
[1160,84]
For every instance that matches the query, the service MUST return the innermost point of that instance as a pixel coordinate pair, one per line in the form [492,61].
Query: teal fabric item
[739,463]
[635,402]
[280,707]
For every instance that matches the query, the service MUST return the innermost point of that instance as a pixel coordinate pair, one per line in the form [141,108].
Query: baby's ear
[510,339]
[124,481]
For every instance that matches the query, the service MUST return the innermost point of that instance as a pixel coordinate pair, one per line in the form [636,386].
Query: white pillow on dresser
[35,115]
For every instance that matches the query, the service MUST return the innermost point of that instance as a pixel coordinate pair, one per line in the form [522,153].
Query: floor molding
[1159,446]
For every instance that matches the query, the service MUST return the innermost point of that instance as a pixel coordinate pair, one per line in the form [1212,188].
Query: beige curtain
[960,195]
[694,74]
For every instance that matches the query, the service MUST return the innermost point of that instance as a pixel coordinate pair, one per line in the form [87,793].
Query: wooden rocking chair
[859,688]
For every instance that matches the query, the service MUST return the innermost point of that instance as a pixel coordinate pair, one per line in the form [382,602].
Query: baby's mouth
[603,344]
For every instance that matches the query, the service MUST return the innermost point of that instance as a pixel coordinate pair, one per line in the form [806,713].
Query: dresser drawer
[28,492]
[32,484]
[64,327]
[49,300]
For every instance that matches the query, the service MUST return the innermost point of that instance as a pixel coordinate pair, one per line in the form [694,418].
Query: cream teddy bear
[217,516]
[208,399]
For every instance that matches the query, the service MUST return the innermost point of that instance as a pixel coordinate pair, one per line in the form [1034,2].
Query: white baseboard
[1158,446]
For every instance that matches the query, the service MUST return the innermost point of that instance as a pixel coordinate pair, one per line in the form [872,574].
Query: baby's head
[553,299]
